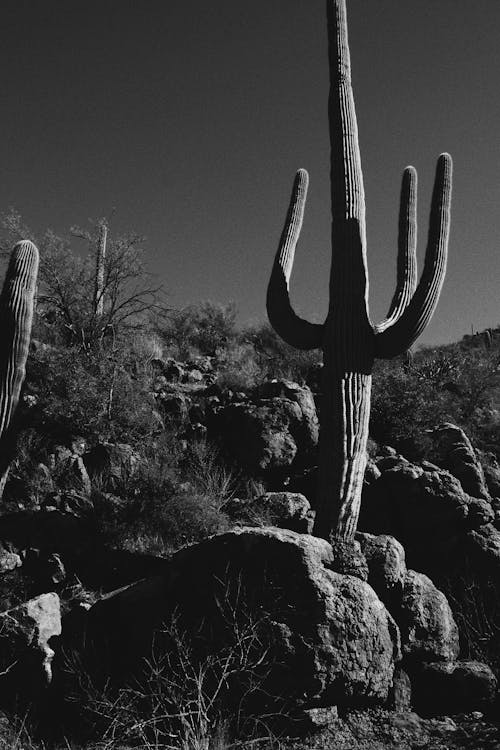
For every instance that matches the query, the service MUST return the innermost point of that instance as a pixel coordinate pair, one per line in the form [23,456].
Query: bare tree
[85,297]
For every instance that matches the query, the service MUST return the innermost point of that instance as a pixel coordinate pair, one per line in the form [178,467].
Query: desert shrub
[476,607]
[102,392]
[204,329]
[175,498]
[275,358]
[194,693]
[238,368]
[448,384]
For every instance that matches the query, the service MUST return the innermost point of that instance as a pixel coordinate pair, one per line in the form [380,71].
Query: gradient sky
[190,119]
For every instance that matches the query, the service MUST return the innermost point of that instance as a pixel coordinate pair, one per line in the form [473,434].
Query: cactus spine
[349,341]
[16,317]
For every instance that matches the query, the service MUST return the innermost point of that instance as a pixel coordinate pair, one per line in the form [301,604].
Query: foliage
[205,329]
[67,279]
[275,358]
[174,498]
[456,383]
[194,693]
[102,392]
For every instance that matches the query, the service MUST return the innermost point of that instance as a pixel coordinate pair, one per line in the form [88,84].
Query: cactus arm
[294,330]
[407,250]
[399,336]
[16,316]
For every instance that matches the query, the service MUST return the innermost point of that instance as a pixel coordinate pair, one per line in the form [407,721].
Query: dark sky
[190,118]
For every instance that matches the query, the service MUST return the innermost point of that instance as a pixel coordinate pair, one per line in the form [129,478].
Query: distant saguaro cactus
[99,270]
[16,316]
[349,341]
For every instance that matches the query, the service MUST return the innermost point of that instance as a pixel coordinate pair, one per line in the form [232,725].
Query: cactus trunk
[16,316]
[349,341]
[99,271]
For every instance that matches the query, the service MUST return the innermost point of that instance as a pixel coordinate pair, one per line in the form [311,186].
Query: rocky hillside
[158,576]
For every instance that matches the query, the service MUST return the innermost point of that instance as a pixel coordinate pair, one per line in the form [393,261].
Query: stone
[348,559]
[316,719]
[483,547]
[480,513]
[385,557]
[286,510]
[113,462]
[9,561]
[332,640]
[428,629]
[25,633]
[453,451]
[274,432]
[453,687]
[401,692]
[389,462]
[413,504]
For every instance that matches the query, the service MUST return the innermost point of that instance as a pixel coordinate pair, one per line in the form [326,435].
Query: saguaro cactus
[99,270]
[349,341]
[16,316]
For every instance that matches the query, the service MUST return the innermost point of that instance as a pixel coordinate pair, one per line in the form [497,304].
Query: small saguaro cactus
[349,341]
[16,317]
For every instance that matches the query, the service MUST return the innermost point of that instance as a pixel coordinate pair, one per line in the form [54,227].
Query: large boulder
[428,629]
[276,431]
[414,503]
[330,639]
[112,462]
[452,450]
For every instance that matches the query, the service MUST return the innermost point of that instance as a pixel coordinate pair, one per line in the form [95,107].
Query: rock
[9,561]
[332,641]
[275,432]
[480,513]
[315,719]
[173,371]
[428,629]
[78,445]
[49,532]
[300,395]
[372,472]
[174,405]
[25,633]
[453,451]
[444,687]
[348,559]
[400,694]
[193,376]
[413,504]
[483,547]
[491,470]
[385,557]
[112,462]
[389,462]
[286,510]
[387,450]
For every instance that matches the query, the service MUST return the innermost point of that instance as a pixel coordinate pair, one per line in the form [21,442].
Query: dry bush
[191,695]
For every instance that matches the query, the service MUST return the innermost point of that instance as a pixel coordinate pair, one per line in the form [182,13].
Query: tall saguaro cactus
[16,317]
[349,341]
